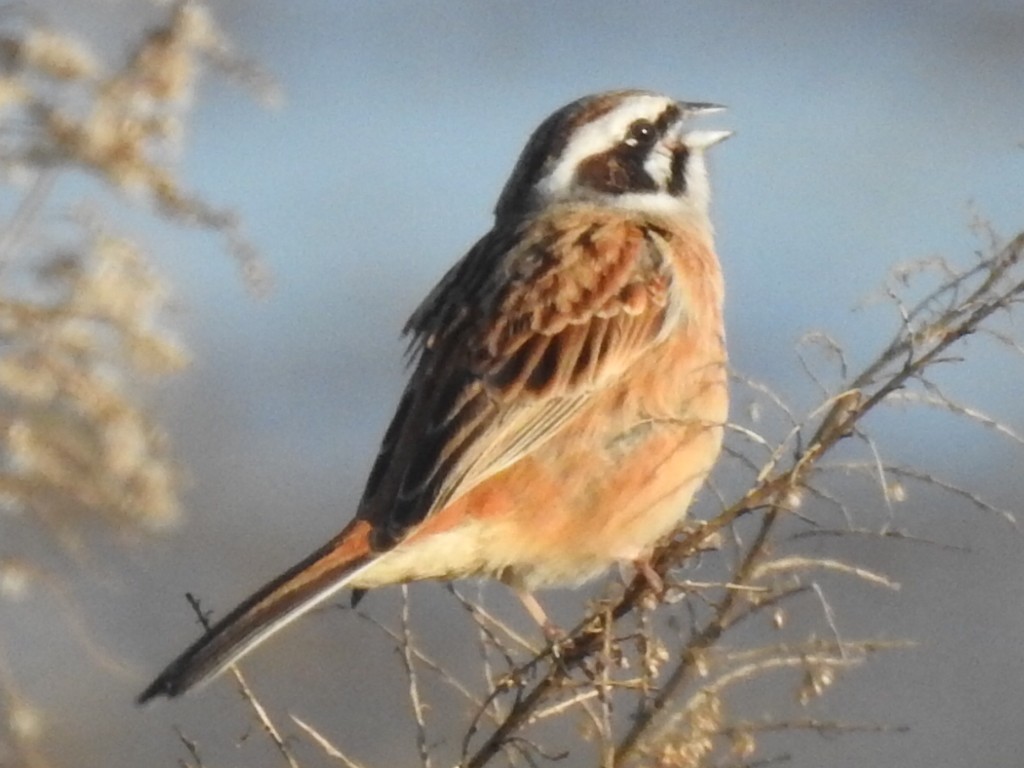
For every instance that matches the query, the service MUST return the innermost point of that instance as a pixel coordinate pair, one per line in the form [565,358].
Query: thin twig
[422,745]
[329,749]
[246,692]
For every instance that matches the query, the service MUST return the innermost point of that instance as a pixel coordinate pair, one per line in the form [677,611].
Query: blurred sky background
[867,133]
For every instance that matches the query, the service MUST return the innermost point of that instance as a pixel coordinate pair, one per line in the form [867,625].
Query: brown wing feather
[511,343]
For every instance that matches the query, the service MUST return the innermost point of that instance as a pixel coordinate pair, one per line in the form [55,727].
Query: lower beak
[704,139]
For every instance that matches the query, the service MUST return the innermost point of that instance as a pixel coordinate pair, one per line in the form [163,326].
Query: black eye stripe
[641,133]
[665,120]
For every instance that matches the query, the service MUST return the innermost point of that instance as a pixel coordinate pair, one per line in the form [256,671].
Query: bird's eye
[641,133]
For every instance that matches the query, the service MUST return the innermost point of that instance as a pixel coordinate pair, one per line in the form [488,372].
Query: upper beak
[700,107]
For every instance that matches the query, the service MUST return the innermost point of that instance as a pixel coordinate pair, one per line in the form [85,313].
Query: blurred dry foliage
[661,677]
[81,306]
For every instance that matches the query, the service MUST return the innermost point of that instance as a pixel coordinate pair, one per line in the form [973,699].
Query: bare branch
[329,749]
[422,744]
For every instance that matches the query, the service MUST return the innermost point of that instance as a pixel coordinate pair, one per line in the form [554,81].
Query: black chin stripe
[677,176]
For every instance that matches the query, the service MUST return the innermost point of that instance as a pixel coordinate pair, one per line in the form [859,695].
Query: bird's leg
[652,577]
[552,632]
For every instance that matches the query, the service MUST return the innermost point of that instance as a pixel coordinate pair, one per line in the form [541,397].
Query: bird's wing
[512,342]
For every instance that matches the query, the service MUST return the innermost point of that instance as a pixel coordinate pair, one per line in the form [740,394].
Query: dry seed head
[28,379]
[107,141]
[157,354]
[896,491]
[932,334]
[195,26]
[15,579]
[685,752]
[817,679]
[793,499]
[75,336]
[24,722]
[743,745]
[166,63]
[165,68]
[21,445]
[125,444]
[691,744]
[700,663]
[660,651]
[706,714]
[57,55]
[154,496]
[11,92]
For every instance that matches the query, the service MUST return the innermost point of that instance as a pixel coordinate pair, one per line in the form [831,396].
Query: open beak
[702,139]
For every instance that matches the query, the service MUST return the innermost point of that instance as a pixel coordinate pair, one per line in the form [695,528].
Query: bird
[568,387]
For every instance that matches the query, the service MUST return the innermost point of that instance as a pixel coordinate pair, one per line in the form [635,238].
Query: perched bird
[568,387]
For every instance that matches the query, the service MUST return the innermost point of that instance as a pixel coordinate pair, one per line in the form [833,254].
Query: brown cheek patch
[599,172]
[617,171]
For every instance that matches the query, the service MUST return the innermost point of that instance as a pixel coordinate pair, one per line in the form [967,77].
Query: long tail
[293,593]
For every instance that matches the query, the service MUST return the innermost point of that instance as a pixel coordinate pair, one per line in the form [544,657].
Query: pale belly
[605,490]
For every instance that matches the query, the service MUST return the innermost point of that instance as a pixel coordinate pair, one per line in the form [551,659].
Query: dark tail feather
[276,604]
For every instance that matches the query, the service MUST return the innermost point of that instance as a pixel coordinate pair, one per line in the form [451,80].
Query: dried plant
[82,308]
